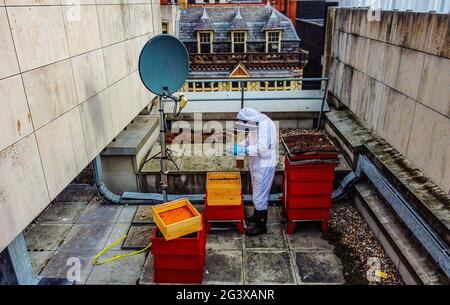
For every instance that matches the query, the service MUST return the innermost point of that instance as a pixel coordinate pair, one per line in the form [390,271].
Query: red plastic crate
[185,245]
[310,172]
[223,212]
[178,262]
[307,214]
[313,201]
[310,188]
[178,276]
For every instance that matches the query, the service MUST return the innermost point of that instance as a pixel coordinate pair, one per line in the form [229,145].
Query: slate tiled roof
[221,17]
[274,22]
[238,23]
[204,24]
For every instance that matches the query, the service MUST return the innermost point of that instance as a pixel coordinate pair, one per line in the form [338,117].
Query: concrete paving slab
[46,236]
[75,264]
[119,230]
[224,240]
[319,267]
[308,236]
[98,212]
[143,214]
[138,237]
[87,237]
[77,193]
[268,267]
[273,213]
[223,267]
[62,212]
[275,238]
[125,271]
[39,259]
[127,214]
[147,272]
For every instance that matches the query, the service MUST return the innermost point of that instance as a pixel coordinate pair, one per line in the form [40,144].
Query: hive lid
[303,144]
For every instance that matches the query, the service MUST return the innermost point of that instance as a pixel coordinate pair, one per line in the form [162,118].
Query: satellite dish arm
[177,99]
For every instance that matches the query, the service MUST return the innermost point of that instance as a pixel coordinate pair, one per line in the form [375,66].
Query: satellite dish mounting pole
[162,142]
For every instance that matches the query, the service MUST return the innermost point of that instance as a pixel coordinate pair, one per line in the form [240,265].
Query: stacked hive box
[178,243]
[310,163]
[224,199]
[180,260]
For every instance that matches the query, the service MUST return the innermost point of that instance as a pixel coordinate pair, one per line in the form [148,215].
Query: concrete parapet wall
[68,85]
[395,75]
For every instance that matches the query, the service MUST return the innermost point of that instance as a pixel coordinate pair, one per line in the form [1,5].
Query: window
[205,42]
[273,42]
[239,42]
[164,28]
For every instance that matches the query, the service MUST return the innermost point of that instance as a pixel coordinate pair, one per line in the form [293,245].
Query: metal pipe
[152,198]
[242,94]
[102,188]
[162,141]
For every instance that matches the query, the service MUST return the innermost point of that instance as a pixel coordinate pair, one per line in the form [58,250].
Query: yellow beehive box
[223,188]
[177,218]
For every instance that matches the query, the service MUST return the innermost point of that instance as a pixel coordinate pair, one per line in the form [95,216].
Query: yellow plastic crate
[177,218]
[223,188]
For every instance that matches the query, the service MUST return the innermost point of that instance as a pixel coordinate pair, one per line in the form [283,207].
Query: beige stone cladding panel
[23,192]
[97,123]
[15,119]
[39,35]
[83,34]
[62,160]
[50,91]
[434,89]
[429,146]
[395,119]
[111,24]
[8,60]
[115,62]
[89,74]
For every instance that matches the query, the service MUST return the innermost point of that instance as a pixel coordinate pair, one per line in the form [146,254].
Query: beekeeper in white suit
[260,145]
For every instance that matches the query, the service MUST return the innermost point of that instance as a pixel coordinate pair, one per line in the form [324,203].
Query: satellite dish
[164,64]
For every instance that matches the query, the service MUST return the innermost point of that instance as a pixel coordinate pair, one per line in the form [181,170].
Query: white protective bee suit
[261,147]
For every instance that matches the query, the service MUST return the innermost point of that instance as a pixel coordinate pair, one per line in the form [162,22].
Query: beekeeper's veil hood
[248,118]
[251,115]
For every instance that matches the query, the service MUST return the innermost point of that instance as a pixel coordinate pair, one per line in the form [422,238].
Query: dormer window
[239,42]
[273,41]
[205,42]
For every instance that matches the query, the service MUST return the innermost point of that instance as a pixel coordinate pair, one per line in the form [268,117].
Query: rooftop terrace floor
[79,224]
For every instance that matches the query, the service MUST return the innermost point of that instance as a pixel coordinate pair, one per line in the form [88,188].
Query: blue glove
[239,150]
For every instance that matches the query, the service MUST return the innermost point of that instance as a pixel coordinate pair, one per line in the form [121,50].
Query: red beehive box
[309,178]
[226,213]
[178,276]
[179,260]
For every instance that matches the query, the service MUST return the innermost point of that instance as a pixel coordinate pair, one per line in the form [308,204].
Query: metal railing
[439,6]
[243,85]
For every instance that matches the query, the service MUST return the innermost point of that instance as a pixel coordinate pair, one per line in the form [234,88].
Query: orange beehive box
[177,218]
[223,188]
